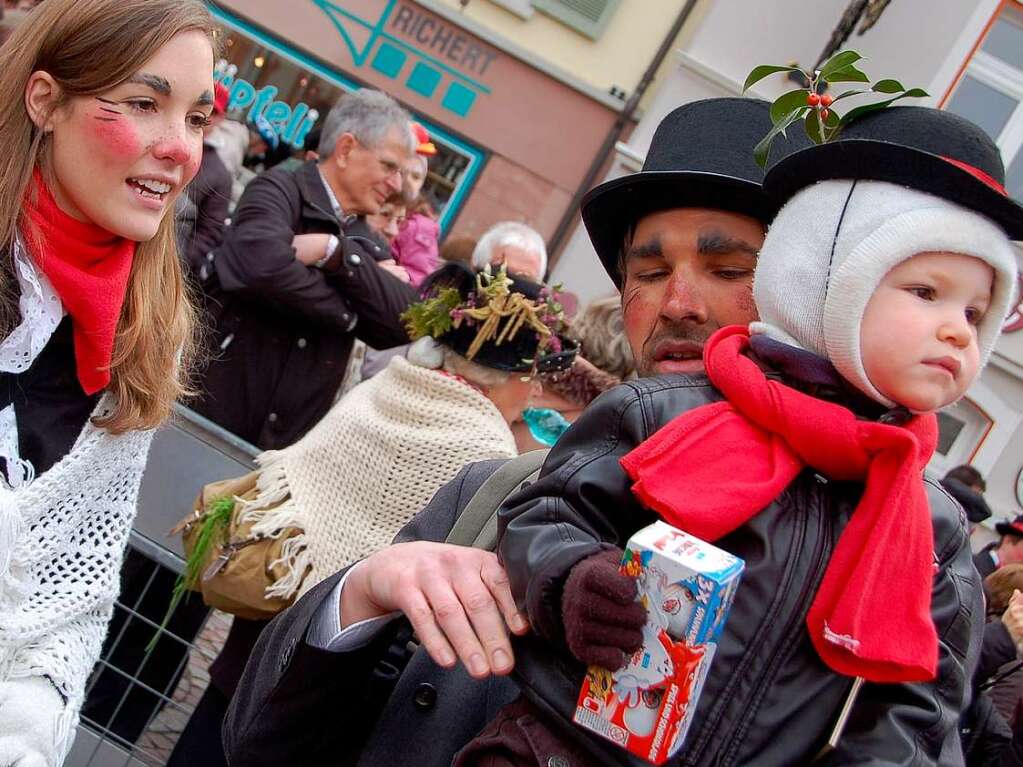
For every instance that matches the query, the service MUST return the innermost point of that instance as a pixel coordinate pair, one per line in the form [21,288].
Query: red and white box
[687,586]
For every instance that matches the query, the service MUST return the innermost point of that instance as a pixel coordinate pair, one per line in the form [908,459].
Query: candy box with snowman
[687,586]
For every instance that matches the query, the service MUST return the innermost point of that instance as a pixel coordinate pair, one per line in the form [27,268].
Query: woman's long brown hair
[90,46]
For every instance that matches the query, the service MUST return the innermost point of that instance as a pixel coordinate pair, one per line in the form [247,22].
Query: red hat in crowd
[220,98]
[424,146]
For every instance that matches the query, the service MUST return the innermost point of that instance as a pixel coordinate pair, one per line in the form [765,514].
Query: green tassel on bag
[213,527]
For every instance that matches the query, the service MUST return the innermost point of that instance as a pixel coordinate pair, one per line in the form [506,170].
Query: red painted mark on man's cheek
[745,303]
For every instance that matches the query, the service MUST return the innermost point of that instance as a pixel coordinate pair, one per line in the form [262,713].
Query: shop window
[990,93]
[265,81]
[590,17]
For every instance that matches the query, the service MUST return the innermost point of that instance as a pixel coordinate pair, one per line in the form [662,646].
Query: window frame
[557,10]
[1000,75]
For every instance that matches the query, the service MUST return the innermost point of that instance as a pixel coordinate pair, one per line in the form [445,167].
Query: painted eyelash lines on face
[107,109]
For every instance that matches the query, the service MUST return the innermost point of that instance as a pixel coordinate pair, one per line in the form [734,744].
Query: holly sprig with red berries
[812,105]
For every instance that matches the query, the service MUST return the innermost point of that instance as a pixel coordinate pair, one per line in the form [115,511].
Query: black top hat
[926,149]
[1014,528]
[513,355]
[701,156]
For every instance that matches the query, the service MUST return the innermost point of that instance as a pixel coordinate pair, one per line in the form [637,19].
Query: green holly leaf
[888,86]
[759,73]
[787,102]
[763,149]
[841,60]
[848,74]
[858,112]
[847,94]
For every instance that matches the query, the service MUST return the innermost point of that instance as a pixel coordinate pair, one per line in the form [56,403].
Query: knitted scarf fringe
[271,513]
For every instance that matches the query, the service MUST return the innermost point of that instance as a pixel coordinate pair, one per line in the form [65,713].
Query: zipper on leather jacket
[793,627]
[792,634]
[708,729]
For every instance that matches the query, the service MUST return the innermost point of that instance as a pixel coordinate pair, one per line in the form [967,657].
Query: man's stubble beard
[679,331]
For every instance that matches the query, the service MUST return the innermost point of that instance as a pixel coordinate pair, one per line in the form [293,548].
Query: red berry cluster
[820,102]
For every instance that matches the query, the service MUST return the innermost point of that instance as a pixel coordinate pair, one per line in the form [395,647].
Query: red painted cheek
[745,302]
[117,135]
[637,311]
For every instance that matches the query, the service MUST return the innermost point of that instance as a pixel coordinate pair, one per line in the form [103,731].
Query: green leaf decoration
[784,104]
[763,149]
[858,112]
[759,73]
[840,61]
[888,86]
[431,317]
[793,106]
[848,74]
[213,527]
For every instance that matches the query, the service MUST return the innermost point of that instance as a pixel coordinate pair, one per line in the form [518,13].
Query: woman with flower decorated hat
[379,455]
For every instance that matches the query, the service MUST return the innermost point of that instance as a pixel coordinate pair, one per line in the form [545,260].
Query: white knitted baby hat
[831,245]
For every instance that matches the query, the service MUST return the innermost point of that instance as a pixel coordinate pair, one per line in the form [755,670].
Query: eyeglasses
[390,167]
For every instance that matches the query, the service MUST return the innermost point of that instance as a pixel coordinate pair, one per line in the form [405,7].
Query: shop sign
[290,124]
[418,50]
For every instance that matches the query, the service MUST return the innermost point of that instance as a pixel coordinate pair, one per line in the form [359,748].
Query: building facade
[969,57]
[517,130]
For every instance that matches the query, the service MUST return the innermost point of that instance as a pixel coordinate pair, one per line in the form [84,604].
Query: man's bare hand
[310,248]
[457,599]
[1013,619]
[392,266]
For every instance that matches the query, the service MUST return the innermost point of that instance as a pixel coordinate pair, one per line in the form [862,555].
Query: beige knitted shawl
[374,460]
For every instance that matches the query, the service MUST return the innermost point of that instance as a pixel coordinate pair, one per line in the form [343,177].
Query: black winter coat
[283,331]
[208,198]
[768,699]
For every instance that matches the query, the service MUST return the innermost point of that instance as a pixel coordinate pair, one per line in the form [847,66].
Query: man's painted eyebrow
[717,243]
[652,248]
[157,83]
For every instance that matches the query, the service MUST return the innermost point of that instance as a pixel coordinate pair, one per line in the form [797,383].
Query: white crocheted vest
[62,540]
[374,460]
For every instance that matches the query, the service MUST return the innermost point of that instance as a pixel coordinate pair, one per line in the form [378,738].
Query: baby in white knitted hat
[903,292]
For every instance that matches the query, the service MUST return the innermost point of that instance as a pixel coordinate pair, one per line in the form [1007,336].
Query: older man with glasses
[297,278]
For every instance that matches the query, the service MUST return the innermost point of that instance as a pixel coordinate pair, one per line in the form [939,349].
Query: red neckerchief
[462,379]
[711,469]
[89,269]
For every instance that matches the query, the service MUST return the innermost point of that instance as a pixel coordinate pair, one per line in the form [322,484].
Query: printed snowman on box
[687,586]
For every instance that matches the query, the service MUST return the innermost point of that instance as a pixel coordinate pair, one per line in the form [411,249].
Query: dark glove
[603,621]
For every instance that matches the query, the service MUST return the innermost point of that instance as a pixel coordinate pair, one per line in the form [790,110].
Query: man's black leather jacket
[768,700]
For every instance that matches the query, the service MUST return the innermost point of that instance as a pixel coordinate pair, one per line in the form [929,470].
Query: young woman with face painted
[102,109]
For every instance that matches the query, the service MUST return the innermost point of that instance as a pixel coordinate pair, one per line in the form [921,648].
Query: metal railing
[150,675]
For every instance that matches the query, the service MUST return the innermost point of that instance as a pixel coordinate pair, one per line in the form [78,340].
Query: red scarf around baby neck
[88,267]
[713,468]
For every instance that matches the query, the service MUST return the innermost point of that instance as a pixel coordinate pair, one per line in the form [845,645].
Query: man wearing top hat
[680,239]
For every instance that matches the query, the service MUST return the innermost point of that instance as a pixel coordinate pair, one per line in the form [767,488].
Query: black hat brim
[610,209]
[897,164]
[1004,528]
